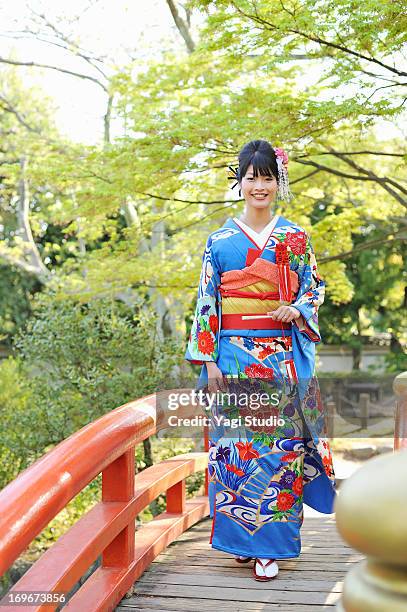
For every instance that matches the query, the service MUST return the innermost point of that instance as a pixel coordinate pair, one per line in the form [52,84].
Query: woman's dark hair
[261,155]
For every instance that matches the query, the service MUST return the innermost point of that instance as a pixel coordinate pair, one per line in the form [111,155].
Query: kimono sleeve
[203,343]
[310,296]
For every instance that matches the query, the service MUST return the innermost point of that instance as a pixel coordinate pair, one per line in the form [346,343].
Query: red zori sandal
[265,569]
[241,559]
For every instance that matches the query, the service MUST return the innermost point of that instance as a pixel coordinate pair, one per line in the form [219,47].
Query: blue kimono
[262,464]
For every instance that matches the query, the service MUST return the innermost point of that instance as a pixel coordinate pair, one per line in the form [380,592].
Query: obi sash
[257,289]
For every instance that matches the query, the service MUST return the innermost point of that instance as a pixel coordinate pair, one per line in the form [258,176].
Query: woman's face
[259,191]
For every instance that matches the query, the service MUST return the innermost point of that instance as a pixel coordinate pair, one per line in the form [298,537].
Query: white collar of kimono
[260,238]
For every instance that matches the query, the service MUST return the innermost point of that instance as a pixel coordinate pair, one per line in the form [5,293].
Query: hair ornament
[234,177]
[283,190]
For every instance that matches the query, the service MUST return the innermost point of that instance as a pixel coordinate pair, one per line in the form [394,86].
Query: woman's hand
[285,313]
[215,378]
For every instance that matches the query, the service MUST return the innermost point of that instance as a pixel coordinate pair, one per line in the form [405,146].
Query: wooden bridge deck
[192,576]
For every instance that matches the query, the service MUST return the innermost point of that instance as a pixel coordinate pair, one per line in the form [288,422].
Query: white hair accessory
[283,191]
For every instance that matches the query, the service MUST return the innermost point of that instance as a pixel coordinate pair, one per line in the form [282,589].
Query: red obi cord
[235,321]
[264,295]
[283,264]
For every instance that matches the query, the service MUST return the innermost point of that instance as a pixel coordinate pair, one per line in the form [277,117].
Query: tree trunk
[148,453]
[357,350]
[357,357]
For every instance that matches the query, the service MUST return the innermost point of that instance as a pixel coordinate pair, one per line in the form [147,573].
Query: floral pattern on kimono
[312,288]
[203,344]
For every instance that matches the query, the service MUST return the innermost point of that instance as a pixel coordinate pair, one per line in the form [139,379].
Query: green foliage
[86,359]
[76,362]
[378,306]
[16,290]
[19,443]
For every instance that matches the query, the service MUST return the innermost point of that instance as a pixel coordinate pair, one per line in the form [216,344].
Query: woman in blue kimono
[254,333]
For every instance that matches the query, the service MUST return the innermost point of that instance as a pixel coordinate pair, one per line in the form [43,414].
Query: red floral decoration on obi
[297,242]
[281,253]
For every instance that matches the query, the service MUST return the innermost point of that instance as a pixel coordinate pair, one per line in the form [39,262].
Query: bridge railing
[371,517]
[40,492]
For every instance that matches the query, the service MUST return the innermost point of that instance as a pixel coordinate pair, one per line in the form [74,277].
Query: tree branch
[32,261]
[70,43]
[370,173]
[6,105]
[318,39]
[381,181]
[182,26]
[28,34]
[4,60]
[351,153]
[170,199]
[401,235]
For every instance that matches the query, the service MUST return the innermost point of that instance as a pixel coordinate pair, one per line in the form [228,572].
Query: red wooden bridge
[179,576]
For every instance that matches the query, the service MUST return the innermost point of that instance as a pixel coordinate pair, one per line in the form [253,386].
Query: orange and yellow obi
[256,290]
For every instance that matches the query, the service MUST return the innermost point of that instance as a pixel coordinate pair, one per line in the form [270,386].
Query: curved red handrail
[36,496]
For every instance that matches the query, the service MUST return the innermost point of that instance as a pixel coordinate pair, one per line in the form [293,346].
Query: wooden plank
[318,532]
[320,540]
[320,553]
[308,533]
[181,604]
[311,533]
[228,562]
[304,574]
[240,582]
[321,562]
[263,593]
[150,604]
[314,566]
[311,538]
[316,527]
[308,520]
[320,547]
[317,548]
